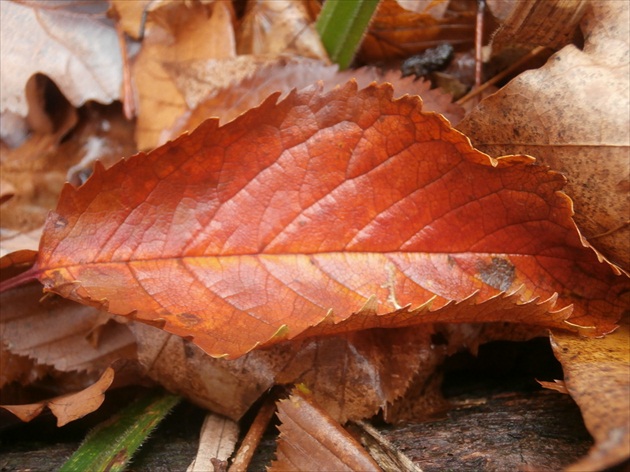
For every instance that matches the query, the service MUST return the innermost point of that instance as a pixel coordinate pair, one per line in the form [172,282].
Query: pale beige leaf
[79,52]
[216,443]
[12,240]
[435,8]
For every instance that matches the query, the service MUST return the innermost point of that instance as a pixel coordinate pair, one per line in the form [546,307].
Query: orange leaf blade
[312,209]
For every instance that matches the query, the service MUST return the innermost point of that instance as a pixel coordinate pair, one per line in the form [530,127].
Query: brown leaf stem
[250,443]
[500,76]
[19,280]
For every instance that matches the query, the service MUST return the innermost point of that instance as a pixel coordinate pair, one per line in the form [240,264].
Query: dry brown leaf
[225,387]
[351,376]
[205,80]
[129,14]
[355,375]
[311,440]
[68,407]
[21,369]
[597,376]
[278,27]
[572,114]
[251,85]
[557,385]
[56,332]
[175,33]
[549,23]
[397,33]
[78,51]
[41,165]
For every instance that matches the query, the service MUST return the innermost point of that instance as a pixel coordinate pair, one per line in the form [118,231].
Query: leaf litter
[189,371]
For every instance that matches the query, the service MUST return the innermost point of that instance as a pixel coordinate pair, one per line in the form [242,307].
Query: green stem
[341,25]
[110,445]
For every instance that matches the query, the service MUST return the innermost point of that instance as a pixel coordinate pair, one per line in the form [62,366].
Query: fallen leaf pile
[245,215]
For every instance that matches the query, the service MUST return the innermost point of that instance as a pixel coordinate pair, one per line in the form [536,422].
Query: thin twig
[497,78]
[481,7]
[252,439]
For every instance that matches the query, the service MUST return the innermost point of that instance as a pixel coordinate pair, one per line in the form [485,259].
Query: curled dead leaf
[68,407]
[597,376]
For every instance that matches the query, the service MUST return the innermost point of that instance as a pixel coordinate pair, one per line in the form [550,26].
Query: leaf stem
[20,279]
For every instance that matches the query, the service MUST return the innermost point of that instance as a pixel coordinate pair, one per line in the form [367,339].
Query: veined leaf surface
[299,214]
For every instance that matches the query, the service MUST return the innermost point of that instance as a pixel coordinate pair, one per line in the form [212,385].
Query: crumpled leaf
[312,440]
[82,57]
[572,114]
[278,27]
[352,377]
[68,407]
[39,168]
[597,376]
[296,219]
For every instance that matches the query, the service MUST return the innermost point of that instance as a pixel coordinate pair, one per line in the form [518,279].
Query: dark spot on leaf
[498,274]
[119,459]
[188,319]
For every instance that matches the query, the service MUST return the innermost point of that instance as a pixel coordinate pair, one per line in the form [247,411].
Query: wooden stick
[254,435]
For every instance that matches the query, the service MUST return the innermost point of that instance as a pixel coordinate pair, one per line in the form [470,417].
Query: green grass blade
[341,25]
[110,445]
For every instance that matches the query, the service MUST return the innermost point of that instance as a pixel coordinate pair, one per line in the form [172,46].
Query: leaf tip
[281,333]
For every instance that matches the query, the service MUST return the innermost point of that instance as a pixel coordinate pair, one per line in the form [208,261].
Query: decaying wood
[508,431]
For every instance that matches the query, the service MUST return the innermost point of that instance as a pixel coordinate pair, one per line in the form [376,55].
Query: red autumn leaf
[305,212]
